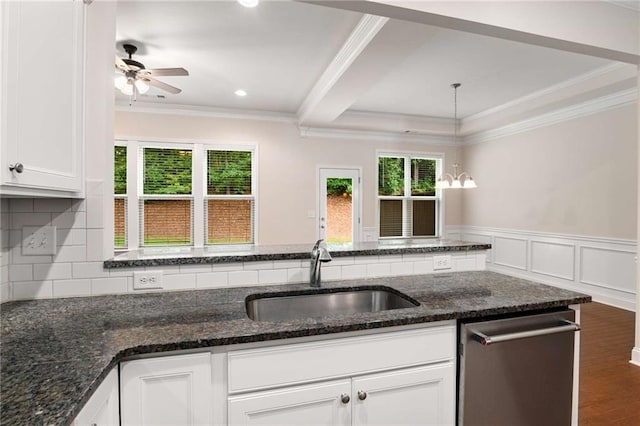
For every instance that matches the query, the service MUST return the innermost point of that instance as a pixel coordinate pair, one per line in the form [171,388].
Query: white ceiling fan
[136,78]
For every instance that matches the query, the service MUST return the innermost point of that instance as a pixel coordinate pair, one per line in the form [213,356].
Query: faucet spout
[319,254]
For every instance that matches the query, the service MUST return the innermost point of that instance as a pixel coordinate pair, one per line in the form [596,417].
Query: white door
[172,390]
[412,396]
[319,404]
[339,205]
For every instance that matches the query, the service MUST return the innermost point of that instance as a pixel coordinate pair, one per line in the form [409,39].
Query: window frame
[135,189]
[407,197]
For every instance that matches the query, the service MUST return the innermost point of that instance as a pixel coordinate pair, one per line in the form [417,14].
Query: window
[408,203]
[185,195]
[229,199]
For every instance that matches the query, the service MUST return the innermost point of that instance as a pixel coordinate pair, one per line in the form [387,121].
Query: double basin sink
[325,302]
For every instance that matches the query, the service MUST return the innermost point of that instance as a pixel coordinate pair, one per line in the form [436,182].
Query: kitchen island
[55,353]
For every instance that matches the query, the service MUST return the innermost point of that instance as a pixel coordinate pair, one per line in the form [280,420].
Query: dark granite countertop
[248,253]
[54,353]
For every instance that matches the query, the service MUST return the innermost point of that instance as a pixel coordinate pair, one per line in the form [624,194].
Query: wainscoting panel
[553,259]
[511,252]
[608,268]
[604,268]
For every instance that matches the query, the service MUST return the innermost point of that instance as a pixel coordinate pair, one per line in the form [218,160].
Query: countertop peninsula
[55,353]
[150,256]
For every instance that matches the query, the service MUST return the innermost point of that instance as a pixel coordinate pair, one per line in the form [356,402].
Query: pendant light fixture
[455,180]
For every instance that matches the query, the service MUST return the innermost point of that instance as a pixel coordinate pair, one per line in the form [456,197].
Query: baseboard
[635,356]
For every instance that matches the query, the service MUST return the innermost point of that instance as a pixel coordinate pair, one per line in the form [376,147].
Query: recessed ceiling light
[249,3]
[240,93]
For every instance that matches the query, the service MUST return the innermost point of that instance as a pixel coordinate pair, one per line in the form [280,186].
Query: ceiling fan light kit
[456,180]
[136,78]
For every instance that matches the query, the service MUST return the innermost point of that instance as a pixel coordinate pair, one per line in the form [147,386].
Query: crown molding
[197,111]
[604,103]
[358,40]
[606,70]
[371,135]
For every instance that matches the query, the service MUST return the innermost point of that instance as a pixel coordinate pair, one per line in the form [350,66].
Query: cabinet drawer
[255,369]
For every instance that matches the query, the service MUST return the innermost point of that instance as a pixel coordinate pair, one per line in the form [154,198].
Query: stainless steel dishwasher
[517,371]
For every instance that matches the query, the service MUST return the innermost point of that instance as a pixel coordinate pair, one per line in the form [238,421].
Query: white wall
[287,165]
[558,204]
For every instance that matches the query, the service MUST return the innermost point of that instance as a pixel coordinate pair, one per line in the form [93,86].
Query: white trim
[604,103]
[606,292]
[635,356]
[372,135]
[582,78]
[198,111]
[356,221]
[359,39]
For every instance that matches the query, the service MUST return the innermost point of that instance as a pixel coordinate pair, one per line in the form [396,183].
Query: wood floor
[609,385]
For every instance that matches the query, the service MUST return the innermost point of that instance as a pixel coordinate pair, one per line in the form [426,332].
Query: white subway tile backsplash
[20,205]
[52,271]
[226,267]
[79,206]
[30,219]
[413,257]
[93,270]
[354,271]
[18,258]
[378,270]
[108,285]
[239,278]
[20,272]
[359,260]
[32,290]
[402,268]
[254,266]
[179,282]
[212,280]
[298,275]
[195,269]
[95,215]
[423,266]
[390,258]
[272,276]
[288,264]
[71,254]
[78,237]
[331,273]
[342,261]
[69,219]
[69,288]
[51,204]
[5,292]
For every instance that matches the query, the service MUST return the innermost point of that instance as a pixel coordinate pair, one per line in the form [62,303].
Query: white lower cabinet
[102,409]
[400,378]
[413,396]
[318,405]
[171,390]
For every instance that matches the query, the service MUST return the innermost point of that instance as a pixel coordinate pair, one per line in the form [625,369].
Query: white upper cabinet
[42,117]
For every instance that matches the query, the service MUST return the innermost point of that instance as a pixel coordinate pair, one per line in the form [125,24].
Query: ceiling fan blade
[120,64]
[160,85]
[166,72]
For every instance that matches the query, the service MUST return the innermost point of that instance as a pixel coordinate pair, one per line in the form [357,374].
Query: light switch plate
[38,240]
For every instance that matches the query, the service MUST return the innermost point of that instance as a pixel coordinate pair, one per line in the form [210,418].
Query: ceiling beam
[375,47]
[594,28]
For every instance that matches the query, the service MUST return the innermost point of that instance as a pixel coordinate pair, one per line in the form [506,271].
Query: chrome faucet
[319,254]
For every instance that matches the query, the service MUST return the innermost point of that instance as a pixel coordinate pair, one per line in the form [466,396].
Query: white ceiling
[279,51]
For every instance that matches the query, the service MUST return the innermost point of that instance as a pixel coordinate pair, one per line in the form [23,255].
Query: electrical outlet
[147,280]
[441,262]
[38,240]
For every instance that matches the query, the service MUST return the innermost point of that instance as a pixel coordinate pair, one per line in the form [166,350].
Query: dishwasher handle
[488,340]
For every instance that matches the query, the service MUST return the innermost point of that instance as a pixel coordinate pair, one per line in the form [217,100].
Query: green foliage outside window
[339,186]
[167,171]
[120,170]
[390,176]
[229,173]
[423,177]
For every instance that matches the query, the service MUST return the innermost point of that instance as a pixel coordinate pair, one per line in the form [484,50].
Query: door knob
[362,395]
[345,398]
[18,167]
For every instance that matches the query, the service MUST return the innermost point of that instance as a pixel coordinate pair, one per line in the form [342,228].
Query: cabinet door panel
[43,90]
[173,390]
[413,396]
[102,408]
[318,404]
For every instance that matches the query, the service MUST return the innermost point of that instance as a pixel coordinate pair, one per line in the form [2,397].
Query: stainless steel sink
[283,307]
